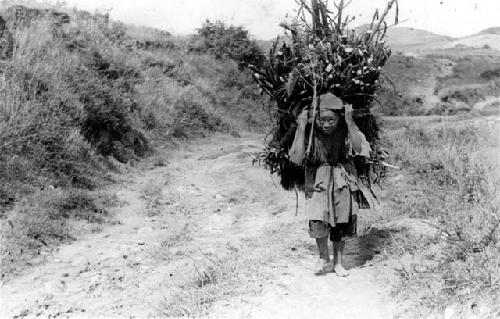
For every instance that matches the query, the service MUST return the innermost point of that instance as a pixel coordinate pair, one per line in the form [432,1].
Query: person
[332,188]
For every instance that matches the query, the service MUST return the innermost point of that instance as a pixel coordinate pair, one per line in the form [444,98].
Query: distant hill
[409,39]
[403,37]
[480,40]
[415,41]
[494,30]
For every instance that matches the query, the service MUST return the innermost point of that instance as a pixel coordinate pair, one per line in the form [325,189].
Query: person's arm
[359,144]
[297,150]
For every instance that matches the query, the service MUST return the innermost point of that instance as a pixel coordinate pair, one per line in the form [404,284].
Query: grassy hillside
[474,82]
[80,93]
[440,85]
[450,176]
[401,75]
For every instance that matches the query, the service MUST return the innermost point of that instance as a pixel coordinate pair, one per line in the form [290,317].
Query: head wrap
[329,101]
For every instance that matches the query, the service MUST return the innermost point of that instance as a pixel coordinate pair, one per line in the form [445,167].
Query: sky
[454,18]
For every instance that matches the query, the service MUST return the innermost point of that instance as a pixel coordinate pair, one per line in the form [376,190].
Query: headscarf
[329,101]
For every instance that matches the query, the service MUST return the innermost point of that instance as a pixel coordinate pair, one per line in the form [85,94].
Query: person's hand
[302,118]
[348,108]
[319,187]
[348,113]
[303,115]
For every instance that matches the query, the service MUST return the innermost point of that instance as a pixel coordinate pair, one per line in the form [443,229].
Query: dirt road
[207,235]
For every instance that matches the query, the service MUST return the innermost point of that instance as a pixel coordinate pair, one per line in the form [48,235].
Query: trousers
[321,229]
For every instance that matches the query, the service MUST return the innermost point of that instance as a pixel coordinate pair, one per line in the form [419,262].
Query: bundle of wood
[320,55]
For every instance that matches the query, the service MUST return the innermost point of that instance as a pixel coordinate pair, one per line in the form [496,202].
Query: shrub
[490,74]
[393,103]
[192,120]
[227,42]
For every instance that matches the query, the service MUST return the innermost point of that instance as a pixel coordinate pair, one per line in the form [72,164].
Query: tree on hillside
[227,42]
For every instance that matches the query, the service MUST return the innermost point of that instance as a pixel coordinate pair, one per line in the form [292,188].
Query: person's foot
[323,266]
[340,270]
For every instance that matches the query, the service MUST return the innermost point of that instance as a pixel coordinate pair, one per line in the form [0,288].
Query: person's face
[327,121]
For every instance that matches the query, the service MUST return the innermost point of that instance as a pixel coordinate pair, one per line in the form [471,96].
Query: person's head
[329,115]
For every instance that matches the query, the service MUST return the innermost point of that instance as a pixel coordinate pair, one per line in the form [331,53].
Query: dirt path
[207,235]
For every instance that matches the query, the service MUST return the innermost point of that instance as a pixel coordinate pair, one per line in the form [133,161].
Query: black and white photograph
[250,159]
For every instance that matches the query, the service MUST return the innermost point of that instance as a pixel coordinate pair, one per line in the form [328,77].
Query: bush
[467,95]
[192,120]
[490,74]
[227,42]
[393,103]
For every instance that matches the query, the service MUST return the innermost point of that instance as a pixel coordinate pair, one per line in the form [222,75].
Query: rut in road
[207,235]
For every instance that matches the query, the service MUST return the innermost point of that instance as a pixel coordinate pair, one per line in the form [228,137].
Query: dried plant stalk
[324,55]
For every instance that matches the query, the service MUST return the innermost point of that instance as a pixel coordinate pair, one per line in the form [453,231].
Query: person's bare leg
[338,251]
[323,248]
[324,264]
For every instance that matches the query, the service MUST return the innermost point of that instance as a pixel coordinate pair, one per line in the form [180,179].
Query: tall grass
[453,178]
[40,135]
[193,95]
[217,278]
